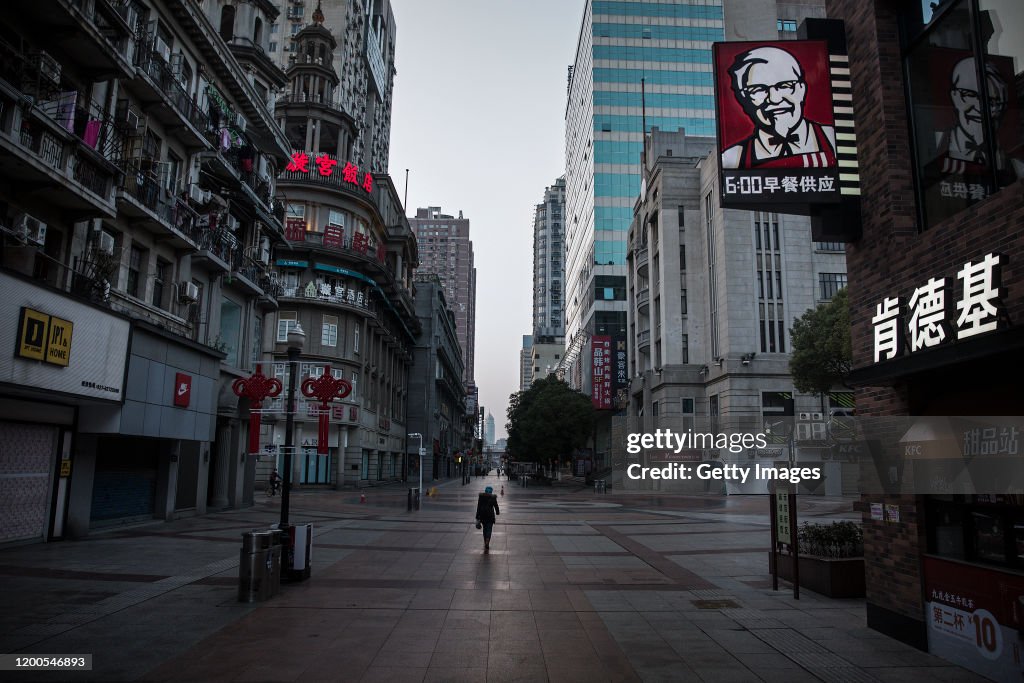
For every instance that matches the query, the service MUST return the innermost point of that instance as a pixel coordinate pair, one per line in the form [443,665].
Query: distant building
[549,263]
[545,355]
[526,363]
[489,430]
[436,398]
[446,251]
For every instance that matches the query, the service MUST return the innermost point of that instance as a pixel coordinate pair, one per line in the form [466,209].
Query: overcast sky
[478,119]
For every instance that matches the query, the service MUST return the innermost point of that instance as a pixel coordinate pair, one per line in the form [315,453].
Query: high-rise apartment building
[446,251]
[363,63]
[549,263]
[526,363]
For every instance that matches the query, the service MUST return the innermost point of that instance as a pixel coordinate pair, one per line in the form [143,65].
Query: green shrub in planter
[834,541]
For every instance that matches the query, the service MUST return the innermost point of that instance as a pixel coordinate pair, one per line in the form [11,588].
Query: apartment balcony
[217,248]
[236,173]
[641,256]
[272,290]
[334,300]
[643,339]
[643,299]
[151,206]
[46,163]
[158,86]
[95,35]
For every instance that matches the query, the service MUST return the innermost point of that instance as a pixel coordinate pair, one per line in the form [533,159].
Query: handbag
[479,525]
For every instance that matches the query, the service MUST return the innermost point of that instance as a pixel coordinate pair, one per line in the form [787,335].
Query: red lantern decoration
[256,388]
[326,388]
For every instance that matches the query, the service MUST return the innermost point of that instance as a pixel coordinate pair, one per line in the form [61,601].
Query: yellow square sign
[44,337]
[58,350]
[33,329]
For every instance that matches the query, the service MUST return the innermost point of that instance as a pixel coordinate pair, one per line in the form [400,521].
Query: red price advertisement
[975,616]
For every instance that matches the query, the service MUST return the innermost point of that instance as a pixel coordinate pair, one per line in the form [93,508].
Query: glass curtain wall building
[621,43]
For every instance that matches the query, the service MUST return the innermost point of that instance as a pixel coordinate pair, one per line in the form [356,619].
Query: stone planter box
[833,578]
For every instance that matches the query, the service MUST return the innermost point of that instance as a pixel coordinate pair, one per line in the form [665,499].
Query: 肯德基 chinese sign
[933,314]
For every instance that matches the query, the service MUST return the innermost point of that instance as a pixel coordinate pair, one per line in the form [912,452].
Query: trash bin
[297,553]
[254,567]
[275,561]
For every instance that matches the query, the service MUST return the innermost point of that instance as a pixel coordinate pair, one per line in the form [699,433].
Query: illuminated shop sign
[601,367]
[44,337]
[785,132]
[325,167]
[927,317]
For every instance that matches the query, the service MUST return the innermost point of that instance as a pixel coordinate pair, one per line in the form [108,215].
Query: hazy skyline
[478,118]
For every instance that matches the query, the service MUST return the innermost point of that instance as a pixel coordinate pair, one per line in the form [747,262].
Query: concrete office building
[437,399]
[363,62]
[712,294]
[139,156]
[668,45]
[446,251]
[346,276]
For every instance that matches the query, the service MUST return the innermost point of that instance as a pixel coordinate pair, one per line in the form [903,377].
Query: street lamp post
[419,451]
[296,340]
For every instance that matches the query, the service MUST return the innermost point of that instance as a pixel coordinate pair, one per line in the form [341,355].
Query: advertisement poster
[776,125]
[975,617]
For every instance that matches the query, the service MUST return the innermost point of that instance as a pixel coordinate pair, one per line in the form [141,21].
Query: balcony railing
[643,338]
[139,183]
[160,72]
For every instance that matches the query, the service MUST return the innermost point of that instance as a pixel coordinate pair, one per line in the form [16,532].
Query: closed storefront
[28,453]
[125,481]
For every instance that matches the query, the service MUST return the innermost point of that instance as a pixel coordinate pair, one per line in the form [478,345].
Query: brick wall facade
[893,257]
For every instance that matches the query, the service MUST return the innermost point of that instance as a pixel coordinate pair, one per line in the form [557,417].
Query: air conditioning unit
[197,194]
[804,417]
[30,229]
[162,48]
[817,417]
[231,223]
[105,244]
[189,291]
[240,122]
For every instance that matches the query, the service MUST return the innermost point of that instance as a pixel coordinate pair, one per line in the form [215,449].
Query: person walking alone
[486,511]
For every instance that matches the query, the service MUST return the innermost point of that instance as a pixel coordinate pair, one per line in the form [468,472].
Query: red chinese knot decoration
[325,388]
[256,388]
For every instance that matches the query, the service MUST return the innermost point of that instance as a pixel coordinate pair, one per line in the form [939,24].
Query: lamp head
[296,337]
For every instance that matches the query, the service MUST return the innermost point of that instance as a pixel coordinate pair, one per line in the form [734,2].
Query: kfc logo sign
[776,123]
[182,389]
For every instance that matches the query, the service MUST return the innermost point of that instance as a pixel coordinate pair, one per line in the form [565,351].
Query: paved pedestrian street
[577,587]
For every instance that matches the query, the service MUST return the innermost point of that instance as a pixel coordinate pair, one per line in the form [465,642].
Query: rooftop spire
[318,14]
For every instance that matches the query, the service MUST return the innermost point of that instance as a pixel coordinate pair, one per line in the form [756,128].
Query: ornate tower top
[318,14]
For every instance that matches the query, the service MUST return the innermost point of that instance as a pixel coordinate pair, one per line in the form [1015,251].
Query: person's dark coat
[487,507]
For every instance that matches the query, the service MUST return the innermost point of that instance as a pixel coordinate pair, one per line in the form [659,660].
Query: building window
[227,23]
[355,340]
[286,322]
[963,104]
[230,329]
[134,269]
[684,342]
[355,386]
[786,25]
[829,246]
[257,342]
[273,46]
[654,409]
[830,283]
[687,406]
[329,331]
[681,213]
[682,302]
[160,277]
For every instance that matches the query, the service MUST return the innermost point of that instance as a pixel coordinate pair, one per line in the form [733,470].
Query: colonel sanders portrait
[769,84]
[962,148]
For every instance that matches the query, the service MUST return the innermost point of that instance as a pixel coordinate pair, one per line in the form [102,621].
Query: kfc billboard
[776,125]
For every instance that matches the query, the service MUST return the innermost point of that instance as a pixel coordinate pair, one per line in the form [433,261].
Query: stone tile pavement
[577,587]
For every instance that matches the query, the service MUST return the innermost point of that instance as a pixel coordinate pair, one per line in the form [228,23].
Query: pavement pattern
[576,587]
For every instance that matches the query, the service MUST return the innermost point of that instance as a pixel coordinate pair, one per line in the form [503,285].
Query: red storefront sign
[182,389]
[295,229]
[601,372]
[974,616]
[325,166]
